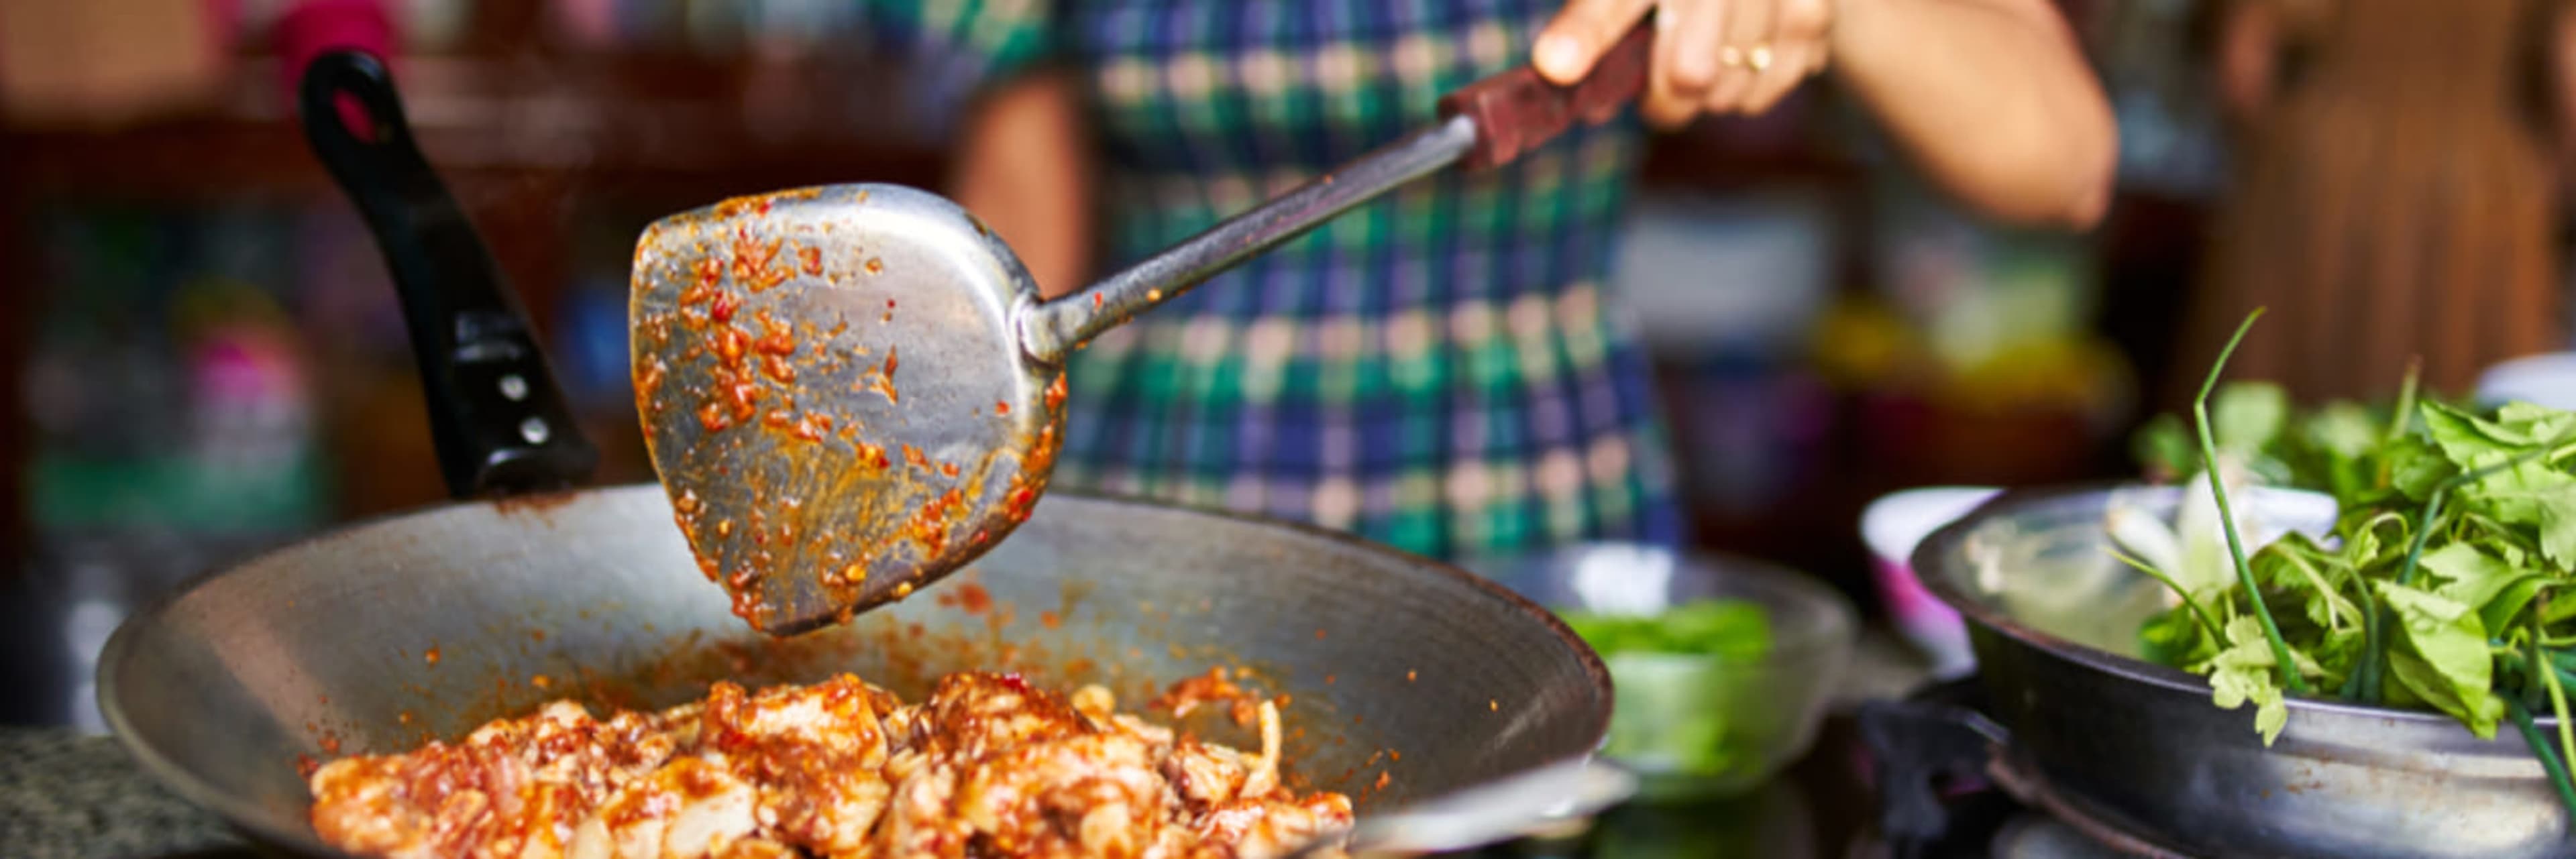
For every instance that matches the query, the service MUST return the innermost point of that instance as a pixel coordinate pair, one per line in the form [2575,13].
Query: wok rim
[239,815]
[1947,539]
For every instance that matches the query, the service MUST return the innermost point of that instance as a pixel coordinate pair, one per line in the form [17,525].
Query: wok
[2140,747]
[1405,679]
[327,645]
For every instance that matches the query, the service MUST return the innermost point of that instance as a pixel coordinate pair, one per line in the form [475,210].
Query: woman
[1439,370]
[2396,196]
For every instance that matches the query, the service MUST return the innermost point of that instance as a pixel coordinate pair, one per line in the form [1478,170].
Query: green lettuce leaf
[2444,660]
[2243,673]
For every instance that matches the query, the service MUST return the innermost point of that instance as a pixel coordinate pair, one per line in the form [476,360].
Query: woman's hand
[1711,56]
[1992,99]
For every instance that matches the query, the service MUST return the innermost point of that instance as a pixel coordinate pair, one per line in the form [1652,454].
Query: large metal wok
[1406,679]
[2139,748]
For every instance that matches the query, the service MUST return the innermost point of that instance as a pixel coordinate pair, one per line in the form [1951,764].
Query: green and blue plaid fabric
[1439,370]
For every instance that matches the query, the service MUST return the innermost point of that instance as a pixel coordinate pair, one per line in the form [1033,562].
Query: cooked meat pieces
[986,766]
[817,753]
[499,793]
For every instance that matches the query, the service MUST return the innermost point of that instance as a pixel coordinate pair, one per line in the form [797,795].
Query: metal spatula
[850,391]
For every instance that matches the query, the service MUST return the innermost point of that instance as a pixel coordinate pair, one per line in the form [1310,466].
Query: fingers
[1712,56]
[1675,82]
[1784,42]
[1748,30]
[1789,66]
[1581,31]
[1804,21]
[1690,60]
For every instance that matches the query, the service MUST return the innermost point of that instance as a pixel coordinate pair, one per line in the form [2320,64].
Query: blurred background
[204,356]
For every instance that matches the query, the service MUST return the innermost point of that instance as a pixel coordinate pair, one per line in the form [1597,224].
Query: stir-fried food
[987,766]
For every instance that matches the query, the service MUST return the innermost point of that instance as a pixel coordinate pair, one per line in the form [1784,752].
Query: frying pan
[2137,747]
[1405,679]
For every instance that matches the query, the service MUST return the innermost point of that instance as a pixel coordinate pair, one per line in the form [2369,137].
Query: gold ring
[1730,56]
[1759,58]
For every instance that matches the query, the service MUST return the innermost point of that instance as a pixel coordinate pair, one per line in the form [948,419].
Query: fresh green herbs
[2286,669]
[1697,693]
[1728,630]
[2443,584]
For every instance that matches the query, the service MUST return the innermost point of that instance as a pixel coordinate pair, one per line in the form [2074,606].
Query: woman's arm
[2561,75]
[1024,167]
[2249,40]
[1991,98]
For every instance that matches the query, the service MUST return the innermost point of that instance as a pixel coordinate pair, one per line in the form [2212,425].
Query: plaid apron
[1439,370]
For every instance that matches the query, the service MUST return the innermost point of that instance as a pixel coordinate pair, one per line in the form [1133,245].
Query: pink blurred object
[588,23]
[315,27]
[1892,526]
[223,24]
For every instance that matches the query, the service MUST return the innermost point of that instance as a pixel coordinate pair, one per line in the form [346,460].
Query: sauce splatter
[1209,688]
[814,427]
[883,381]
[751,261]
[929,525]
[973,599]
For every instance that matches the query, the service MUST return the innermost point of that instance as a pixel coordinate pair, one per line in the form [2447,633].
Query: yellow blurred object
[106,62]
[1862,343]
[226,303]
[2083,376]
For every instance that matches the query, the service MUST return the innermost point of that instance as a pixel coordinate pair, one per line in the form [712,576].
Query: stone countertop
[67,795]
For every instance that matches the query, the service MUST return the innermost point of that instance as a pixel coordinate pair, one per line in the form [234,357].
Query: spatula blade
[833,391]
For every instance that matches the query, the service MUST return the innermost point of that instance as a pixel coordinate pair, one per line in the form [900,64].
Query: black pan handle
[1933,736]
[500,424]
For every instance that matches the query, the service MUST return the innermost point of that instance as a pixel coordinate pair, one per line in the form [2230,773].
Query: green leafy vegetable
[2444,584]
[1731,630]
[2244,672]
[2261,610]
[1694,687]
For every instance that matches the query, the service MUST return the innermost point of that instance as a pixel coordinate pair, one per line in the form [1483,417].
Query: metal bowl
[2140,746]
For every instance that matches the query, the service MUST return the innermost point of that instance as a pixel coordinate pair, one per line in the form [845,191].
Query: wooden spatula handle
[1518,110]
